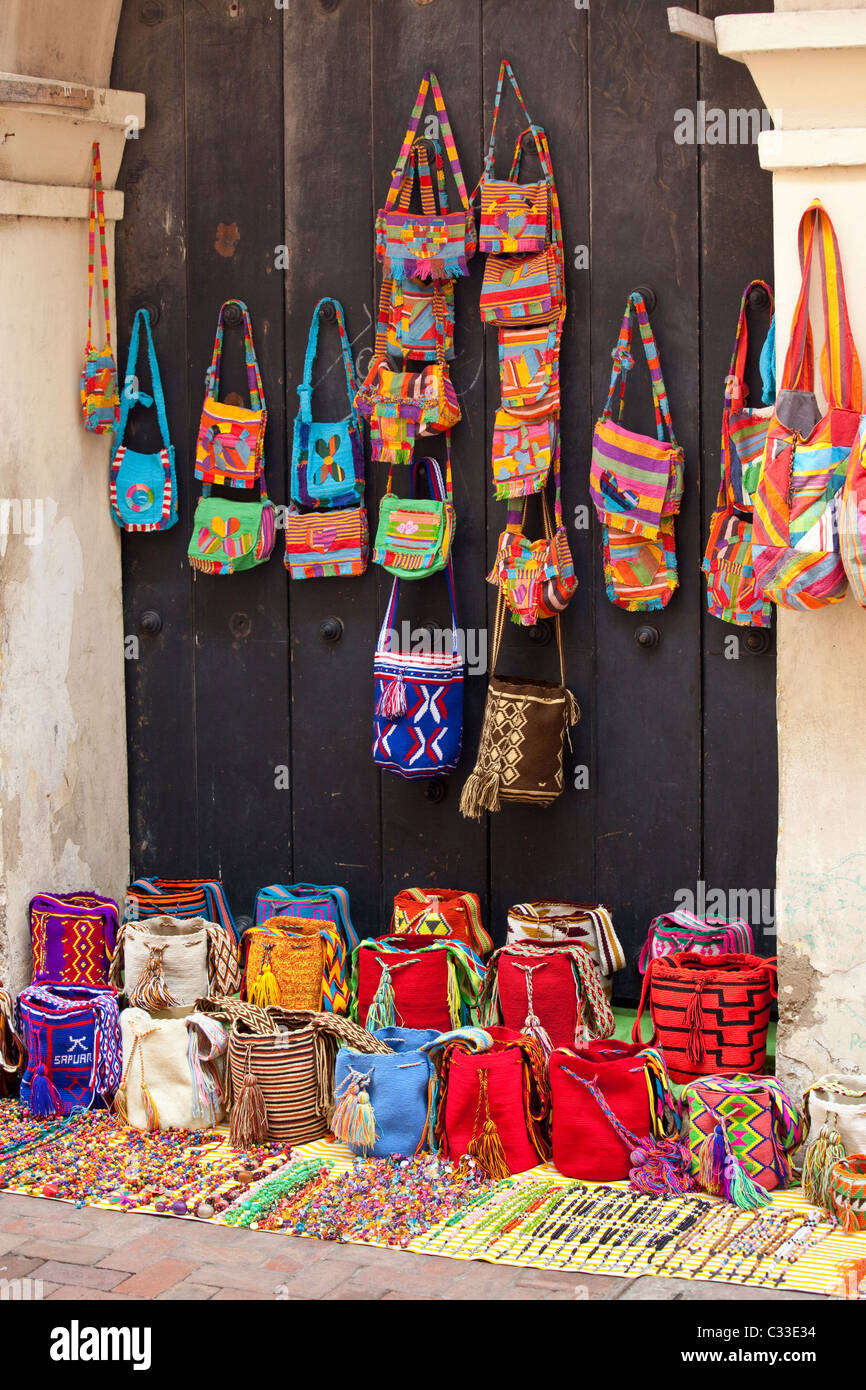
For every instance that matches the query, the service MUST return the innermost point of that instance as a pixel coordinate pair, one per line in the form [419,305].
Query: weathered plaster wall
[71,39]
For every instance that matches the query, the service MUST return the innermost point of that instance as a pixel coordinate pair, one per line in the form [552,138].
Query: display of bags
[383,1102]
[415,982]
[285,962]
[425,245]
[73,937]
[165,962]
[522,736]
[536,578]
[494,1103]
[143,487]
[634,1083]
[710,1013]
[795,541]
[583,924]
[100,403]
[441,912]
[230,536]
[231,438]
[173,1071]
[732,594]
[418,699]
[324,545]
[71,1034]
[549,990]
[327,459]
[838,1100]
[415,534]
[681,930]
[762,1124]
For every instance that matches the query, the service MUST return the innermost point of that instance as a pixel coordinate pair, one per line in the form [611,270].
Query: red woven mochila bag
[549,990]
[420,981]
[710,1013]
[501,1094]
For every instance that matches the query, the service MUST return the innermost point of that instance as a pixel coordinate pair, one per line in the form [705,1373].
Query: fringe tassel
[249,1117]
[721,1174]
[392,701]
[151,991]
[818,1163]
[353,1120]
[44,1096]
[455,1003]
[480,793]
[150,1110]
[265,989]
[693,1020]
[572,709]
[534,1028]
[486,1147]
[120,1106]
[381,1013]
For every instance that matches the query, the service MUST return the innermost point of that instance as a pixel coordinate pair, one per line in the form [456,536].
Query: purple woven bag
[73,937]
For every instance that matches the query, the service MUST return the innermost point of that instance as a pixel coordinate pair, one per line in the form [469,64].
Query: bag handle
[515,519]
[735,388]
[636,1030]
[135,396]
[499,628]
[623,363]
[439,491]
[97,219]
[428,82]
[305,390]
[382,646]
[254,380]
[419,158]
[505,70]
[840,364]
[542,149]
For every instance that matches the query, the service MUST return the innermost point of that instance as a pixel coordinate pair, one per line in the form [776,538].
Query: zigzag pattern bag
[763,1125]
[72,936]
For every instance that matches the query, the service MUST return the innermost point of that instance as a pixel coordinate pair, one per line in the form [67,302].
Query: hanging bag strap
[254,380]
[499,628]
[132,394]
[382,643]
[505,70]
[736,390]
[840,364]
[644,999]
[429,81]
[305,390]
[623,363]
[431,204]
[515,519]
[97,219]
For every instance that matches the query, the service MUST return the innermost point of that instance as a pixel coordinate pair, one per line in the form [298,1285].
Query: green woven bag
[229,536]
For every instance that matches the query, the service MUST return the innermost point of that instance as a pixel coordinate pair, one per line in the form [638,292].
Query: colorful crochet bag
[425,245]
[732,593]
[383,1101]
[199,910]
[143,487]
[165,962]
[73,937]
[228,536]
[415,982]
[681,930]
[710,1014]
[100,402]
[493,1103]
[286,962]
[795,541]
[529,370]
[71,1034]
[326,545]
[13,1058]
[324,902]
[441,912]
[548,990]
[837,1100]
[634,1084]
[762,1124]
[418,699]
[230,448]
[581,924]
[535,578]
[515,217]
[327,459]
[415,534]
[179,897]
[173,1072]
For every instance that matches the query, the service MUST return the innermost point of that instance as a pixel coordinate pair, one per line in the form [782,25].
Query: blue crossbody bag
[143,486]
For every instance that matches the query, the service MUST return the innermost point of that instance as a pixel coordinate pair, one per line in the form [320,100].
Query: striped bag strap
[505,70]
[97,222]
[254,380]
[305,390]
[840,364]
[428,82]
[735,391]
[623,361]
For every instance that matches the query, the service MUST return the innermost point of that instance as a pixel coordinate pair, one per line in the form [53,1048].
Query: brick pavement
[92,1254]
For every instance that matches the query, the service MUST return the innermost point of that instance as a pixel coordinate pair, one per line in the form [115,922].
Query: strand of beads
[254,1207]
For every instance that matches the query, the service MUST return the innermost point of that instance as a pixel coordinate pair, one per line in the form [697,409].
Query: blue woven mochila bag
[143,487]
[383,1102]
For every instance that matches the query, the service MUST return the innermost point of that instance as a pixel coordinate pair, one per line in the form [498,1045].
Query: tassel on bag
[392,702]
[353,1120]
[150,1110]
[249,1116]
[151,991]
[381,1013]
[266,989]
[693,1021]
[480,793]
[820,1158]
[486,1147]
[723,1175]
[44,1099]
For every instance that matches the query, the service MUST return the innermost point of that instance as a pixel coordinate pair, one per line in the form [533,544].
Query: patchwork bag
[415,534]
[528,289]
[762,1124]
[165,962]
[418,699]
[230,448]
[415,982]
[535,578]
[419,312]
[425,245]
[173,1071]
[229,536]
[550,991]
[143,487]
[837,1100]
[285,962]
[522,453]
[522,736]
[579,924]
[529,370]
[732,594]
[73,937]
[327,459]
[852,518]
[383,1101]
[515,217]
[640,575]
[494,1103]
[100,402]
[633,1082]
[180,897]
[441,912]
[710,1014]
[71,1034]
[683,931]
[795,541]
[326,545]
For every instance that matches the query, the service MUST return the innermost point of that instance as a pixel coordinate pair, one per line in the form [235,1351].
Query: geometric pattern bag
[72,1037]
[441,912]
[522,452]
[414,536]
[327,459]
[515,217]
[73,937]
[421,311]
[681,930]
[732,594]
[584,924]
[529,370]
[231,438]
[100,402]
[763,1125]
[143,487]
[795,542]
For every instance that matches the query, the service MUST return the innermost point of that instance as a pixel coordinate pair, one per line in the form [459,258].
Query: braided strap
[594,1014]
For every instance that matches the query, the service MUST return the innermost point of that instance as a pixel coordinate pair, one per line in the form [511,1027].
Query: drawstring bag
[230,448]
[73,937]
[550,991]
[441,912]
[426,245]
[763,1127]
[518,290]
[326,545]
[173,1072]
[415,534]
[418,699]
[324,903]
[522,736]
[515,217]
[633,1083]
[414,982]
[795,542]
[732,594]
[493,1104]
[229,536]
[286,962]
[100,402]
[536,578]
[71,1034]
[327,459]
[681,930]
[710,1014]
[165,962]
[383,1102]
[581,924]
[143,487]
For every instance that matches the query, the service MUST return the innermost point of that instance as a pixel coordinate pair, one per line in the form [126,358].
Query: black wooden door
[271,133]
